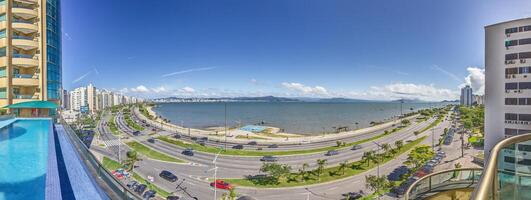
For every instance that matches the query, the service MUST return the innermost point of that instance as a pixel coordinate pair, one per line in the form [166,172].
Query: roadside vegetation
[280,175]
[151,153]
[112,125]
[132,123]
[144,112]
[472,119]
[235,152]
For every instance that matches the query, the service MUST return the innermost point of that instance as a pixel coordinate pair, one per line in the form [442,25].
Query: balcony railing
[443,181]
[23,21]
[23,96]
[19,55]
[19,5]
[22,37]
[23,75]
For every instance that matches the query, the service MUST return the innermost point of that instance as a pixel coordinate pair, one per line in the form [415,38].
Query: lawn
[151,153]
[110,164]
[235,152]
[132,123]
[329,174]
[250,137]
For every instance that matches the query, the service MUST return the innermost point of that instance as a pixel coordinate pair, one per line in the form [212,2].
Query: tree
[399,144]
[302,171]
[419,155]
[339,143]
[386,147]
[375,183]
[405,122]
[416,133]
[342,166]
[320,167]
[132,158]
[275,170]
[368,156]
[232,193]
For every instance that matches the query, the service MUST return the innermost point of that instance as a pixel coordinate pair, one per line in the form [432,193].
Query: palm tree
[399,144]
[386,147]
[302,171]
[368,156]
[132,158]
[320,167]
[342,167]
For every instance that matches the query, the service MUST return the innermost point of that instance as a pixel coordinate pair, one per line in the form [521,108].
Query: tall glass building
[30,53]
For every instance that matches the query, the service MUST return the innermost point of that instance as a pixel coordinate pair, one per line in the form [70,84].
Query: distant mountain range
[278,99]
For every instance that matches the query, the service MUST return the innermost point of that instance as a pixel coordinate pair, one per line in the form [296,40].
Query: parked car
[177,136]
[204,138]
[151,140]
[168,176]
[136,133]
[173,198]
[397,173]
[147,125]
[356,147]
[252,143]
[140,189]
[220,184]
[331,153]
[194,138]
[352,196]
[154,129]
[269,159]
[238,146]
[272,146]
[188,152]
[149,194]
[132,184]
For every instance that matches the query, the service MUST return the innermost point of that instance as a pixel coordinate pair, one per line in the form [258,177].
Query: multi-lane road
[196,172]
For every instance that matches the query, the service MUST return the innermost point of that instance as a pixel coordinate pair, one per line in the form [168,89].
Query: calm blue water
[293,117]
[23,159]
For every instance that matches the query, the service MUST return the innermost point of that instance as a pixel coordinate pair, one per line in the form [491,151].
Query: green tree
[375,183]
[405,122]
[275,170]
[132,158]
[232,193]
[416,133]
[386,147]
[320,167]
[342,166]
[399,144]
[302,171]
[419,155]
[368,156]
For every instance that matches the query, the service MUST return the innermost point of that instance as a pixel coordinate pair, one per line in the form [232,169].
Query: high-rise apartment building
[91,98]
[466,96]
[30,51]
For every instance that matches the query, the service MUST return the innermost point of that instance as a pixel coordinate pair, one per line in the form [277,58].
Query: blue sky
[358,49]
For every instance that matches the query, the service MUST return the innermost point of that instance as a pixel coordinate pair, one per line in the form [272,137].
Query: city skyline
[430,49]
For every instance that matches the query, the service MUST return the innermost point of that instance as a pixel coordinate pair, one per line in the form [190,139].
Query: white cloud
[298,87]
[476,80]
[140,89]
[159,89]
[187,90]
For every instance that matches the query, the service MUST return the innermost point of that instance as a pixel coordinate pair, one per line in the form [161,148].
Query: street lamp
[215,173]
[225,126]
[378,168]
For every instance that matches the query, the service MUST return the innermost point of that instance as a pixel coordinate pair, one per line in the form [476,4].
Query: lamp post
[215,173]
[378,168]
[225,126]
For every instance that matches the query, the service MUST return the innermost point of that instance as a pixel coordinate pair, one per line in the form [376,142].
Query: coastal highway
[219,142]
[238,166]
[197,185]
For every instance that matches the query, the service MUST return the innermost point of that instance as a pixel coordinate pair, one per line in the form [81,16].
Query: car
[149,194]
[201,142]
[153,129]
[252,143]
[194,138]
[352,196]
[238,146]
[136,133]
[331,153]
[356,147]
[151,140]
[188,152]
[132,184]
[147,125]
[220,184]
[204,138]
[173,198]
[168,176]
[140,189]
[269,159]
[272,146]
[177,136]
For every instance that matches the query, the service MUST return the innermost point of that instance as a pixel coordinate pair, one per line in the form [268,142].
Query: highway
[196,172]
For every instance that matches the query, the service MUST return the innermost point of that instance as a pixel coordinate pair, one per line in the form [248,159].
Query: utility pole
[432,139]
[225,126]
[378,168]
[462,144]
[215,173]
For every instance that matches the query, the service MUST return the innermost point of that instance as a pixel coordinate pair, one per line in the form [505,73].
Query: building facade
[466,96]
[30,51]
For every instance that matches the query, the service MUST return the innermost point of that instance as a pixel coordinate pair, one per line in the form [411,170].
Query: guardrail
[106,179]
[446,180]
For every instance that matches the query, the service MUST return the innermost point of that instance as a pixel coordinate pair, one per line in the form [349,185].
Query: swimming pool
[253,128]
[23,159]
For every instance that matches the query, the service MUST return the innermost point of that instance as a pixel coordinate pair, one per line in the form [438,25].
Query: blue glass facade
[53,51]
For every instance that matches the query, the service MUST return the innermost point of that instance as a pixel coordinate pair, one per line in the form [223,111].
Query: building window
[511,116]
[510,43]
[508,159]
[511,86]
[511,56]
[511,71]
[524,85]
[524,117]
[524,41]
[524,55]
[526,162]
[3,93]
[511,30]
[524,70]
[511,131]
[523,147]
[511,101]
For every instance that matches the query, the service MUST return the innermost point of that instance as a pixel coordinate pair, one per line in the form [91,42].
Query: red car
[221,185]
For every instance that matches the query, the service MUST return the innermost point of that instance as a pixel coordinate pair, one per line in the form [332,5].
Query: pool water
[23,159]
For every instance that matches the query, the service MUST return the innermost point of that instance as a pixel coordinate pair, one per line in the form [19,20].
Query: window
[511,131]
[2,52]
[524,70]
[523,131]
[527,28]
[511,101]
[3,93]
[509,43]
[524,55]
[523,147]
[2,17]
[511,86]
[524,101]
[511,56]
[524,41]
[524,117]
[524,85]
[508,159]
[511,116]
[524,162]
[511,30]
[510,71]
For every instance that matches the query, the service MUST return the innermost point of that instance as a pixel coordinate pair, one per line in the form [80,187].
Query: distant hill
[227,99]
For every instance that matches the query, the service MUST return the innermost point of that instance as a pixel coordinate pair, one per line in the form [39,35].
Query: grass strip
[235,152]
[132,123]
[329,174]
[250,137]
[112,125]
[151,153]
[110,164]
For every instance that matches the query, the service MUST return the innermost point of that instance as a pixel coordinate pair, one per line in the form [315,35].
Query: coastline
[240,136]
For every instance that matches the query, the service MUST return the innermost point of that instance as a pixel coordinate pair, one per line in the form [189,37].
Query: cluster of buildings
[468,98]
[89,100]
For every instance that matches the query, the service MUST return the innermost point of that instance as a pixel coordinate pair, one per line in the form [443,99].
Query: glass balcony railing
[18,5]
[19,55]
[22,37]
[23,96]
[23,21]
[445,183]
[23,75]
[508,171]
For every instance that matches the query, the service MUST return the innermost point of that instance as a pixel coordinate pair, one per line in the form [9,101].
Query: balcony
[445,184]
[25,60]
[25,26]
[24,11]
[26,80]
[25,42]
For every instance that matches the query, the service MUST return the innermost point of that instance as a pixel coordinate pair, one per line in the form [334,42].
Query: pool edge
[52,187]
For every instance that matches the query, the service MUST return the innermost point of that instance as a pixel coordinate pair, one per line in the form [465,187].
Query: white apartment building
[508,90]
[466,96]
[91,98]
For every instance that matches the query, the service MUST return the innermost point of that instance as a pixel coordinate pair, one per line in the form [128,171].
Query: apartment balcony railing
[19,55]
[23,21]
[19,5]
[22,37]
[23,96]
[448,180]
[24,75]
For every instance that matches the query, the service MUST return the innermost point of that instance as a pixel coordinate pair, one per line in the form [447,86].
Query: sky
[375,49]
